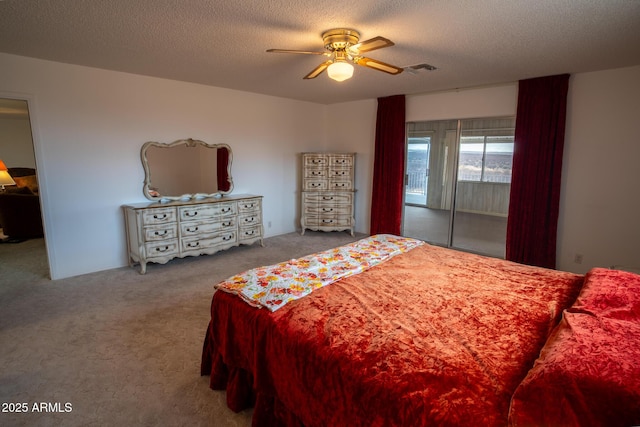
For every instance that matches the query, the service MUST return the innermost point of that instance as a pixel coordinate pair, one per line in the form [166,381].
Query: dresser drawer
[213,210]
[249,220]
[160,232]
[167,248]
[250,232]
[158,216]
[196,228]
[248,206]
[198,244]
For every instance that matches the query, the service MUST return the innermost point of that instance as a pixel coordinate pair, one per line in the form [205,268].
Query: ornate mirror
[186,168]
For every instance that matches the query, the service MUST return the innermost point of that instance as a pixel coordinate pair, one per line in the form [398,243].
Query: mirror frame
[189,143]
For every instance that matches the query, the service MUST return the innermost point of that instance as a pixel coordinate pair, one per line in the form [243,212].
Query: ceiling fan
[342,46]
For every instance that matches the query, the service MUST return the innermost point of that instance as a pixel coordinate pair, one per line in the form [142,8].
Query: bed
[390,331]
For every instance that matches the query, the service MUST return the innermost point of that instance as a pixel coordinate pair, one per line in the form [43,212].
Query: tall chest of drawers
[160,232]
[328,193]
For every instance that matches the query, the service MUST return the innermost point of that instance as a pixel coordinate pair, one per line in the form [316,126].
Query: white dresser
[158,232]
[328,193]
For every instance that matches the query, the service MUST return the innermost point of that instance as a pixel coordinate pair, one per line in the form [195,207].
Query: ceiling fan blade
[379,65]
[318,70]
[371,44]
[304,52]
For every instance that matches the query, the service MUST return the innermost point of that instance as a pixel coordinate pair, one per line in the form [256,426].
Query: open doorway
[21,225]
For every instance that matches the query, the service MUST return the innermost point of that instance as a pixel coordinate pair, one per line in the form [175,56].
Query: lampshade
[5,178]
[340,71]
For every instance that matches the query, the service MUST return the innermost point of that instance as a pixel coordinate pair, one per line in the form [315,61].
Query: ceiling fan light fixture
[340,71]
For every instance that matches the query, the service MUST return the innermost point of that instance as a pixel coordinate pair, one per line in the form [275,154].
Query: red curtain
[388,167]
[222,166]
[537,166]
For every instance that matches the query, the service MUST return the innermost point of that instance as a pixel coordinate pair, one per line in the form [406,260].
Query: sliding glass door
[417,176]
[467,184]
[429,220]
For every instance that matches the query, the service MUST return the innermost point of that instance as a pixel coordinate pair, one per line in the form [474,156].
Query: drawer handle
[227,238]
[226,224]
[316,161]
[225,210]
[161,233]
[249,206]
[193,244]
[316,173]
[327,221]
[327,209]
[163,216]
[192,229]
[191,214]
[249,219]
[327,198]
[165,249]
[315,184]
[250,233]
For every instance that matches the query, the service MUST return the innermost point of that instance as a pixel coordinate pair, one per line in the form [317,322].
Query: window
[486,159]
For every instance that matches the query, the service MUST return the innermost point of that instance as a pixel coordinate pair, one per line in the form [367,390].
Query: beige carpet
[117,348]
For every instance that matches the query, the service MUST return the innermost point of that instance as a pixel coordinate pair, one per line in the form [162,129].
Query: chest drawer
[326,211]
[338,184]
[313,173]
[340,161]
[316,184]
[314,221]
[158,216]
[206,211]
[328,199]
[316,160]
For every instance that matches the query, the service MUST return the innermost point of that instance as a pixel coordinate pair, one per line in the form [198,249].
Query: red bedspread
[433,336]
[588,374]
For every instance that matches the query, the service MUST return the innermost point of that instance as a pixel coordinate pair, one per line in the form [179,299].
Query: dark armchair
[20,215]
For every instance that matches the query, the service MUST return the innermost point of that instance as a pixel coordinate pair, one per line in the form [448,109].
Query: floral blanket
[274,286]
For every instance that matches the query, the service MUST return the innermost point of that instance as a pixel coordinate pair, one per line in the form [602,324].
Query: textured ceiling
[223,43]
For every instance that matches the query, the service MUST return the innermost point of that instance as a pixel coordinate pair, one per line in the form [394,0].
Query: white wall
[493,101]
[600,202]
[351,127]
[89,125]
